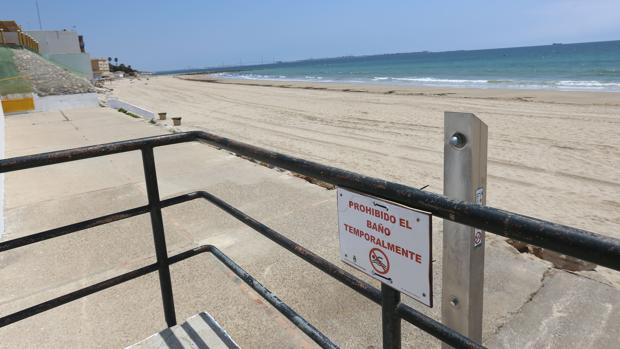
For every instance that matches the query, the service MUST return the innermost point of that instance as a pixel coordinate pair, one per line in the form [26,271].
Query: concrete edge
[116,103]
[63,102]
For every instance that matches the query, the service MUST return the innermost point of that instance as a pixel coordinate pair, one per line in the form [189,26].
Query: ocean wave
[252,76]
[503,83]
[435,80]
[500,81]
[440,82]
[584,85]
[589,84]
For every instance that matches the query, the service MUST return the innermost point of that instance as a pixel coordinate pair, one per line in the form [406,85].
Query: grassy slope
[10,82]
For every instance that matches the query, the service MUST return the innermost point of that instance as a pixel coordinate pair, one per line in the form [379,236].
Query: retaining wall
[62,102]
[116,103]
[78,63]
[18,103]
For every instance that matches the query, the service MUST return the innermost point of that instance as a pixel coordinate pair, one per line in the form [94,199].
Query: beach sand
[552,155]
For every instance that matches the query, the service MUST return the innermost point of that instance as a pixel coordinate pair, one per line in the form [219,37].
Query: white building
[65,48]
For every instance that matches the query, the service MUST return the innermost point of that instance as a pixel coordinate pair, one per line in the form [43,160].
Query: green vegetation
[10,80]
[127,69]
[121,110]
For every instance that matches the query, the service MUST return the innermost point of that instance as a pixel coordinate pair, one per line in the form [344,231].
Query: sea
[593,66]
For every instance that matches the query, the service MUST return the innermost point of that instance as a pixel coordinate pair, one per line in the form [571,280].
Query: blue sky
[161,35]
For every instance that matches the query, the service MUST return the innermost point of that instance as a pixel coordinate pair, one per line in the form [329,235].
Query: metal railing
[602,250]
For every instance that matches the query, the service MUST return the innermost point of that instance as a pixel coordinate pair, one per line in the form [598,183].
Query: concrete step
[200,331]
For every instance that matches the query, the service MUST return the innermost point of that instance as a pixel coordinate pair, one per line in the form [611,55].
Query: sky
[154,35]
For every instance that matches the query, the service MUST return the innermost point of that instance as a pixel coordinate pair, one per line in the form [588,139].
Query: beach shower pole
[465,178]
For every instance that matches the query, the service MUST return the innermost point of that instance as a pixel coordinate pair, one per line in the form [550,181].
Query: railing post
[465,173]
[389,318]
[159,237]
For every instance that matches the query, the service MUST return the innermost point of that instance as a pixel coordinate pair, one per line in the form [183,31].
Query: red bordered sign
[390,242]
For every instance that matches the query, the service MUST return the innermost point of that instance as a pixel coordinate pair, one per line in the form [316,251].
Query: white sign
[387,241]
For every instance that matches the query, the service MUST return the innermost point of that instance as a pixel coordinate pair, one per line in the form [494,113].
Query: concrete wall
[56,41]
[63,48]
[2,140]
[63,102]
[18,103]
[76,62]
[116,103]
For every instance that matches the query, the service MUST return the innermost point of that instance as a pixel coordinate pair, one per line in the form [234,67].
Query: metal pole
[39,16]
[159,237]
[390,298]
[465,174]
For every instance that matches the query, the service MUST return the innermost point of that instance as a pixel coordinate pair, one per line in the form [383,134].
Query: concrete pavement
[567,312]
[520,290]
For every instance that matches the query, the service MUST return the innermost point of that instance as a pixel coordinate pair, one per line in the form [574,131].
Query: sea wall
[116,103]
[78,63]
[60,102]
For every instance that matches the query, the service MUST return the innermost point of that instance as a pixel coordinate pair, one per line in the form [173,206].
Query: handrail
[583,244]
[579,243]
[287,311]
[409,314]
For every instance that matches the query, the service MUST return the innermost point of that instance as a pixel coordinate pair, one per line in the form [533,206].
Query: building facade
[100,67]
[65,48]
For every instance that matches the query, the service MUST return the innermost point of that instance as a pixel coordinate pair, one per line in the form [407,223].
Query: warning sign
[379,261]
[387,241]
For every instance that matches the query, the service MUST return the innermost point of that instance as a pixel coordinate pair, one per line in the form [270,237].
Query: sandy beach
[552,155]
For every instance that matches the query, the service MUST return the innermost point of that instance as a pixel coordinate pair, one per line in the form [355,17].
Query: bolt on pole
[465,178]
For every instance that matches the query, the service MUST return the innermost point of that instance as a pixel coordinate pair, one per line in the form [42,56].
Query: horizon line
[221,67]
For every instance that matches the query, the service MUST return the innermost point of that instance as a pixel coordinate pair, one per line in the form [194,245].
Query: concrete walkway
[521,308]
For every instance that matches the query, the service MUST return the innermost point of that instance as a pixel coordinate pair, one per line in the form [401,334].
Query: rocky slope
[48,78]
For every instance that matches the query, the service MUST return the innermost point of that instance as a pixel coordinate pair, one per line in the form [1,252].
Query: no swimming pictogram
[379,261]
[396,239]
